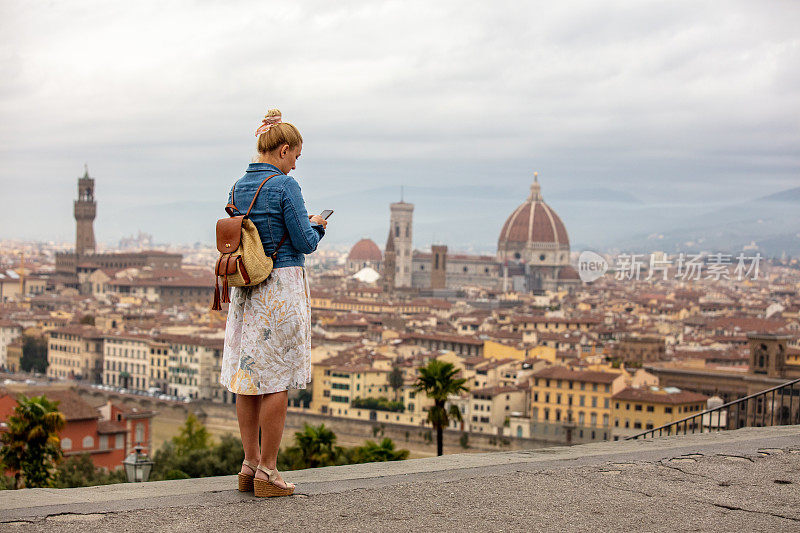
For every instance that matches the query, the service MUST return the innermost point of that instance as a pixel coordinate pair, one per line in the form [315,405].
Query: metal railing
[757,410]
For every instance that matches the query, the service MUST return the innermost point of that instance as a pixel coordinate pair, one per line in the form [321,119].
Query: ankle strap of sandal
[269,472]
[251,465]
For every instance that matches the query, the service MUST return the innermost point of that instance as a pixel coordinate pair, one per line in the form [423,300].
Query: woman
[268,331]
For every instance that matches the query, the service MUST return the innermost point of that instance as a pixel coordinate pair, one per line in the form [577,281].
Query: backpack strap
[231,208]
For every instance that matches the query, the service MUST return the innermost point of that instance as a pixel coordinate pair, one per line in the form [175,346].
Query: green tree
[173,461]
[438,380]
[372,452]
[31,445]
[304,397]
[34,354]
[193,436]
[396,381]
[79,471]
[314,446]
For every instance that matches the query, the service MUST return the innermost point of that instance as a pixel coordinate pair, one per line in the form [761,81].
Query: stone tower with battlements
[401,226]
[85,209]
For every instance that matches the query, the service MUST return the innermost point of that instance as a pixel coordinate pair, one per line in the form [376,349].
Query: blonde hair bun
[277,134]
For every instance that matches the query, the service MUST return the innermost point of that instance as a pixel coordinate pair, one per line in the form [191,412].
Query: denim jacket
[279,207]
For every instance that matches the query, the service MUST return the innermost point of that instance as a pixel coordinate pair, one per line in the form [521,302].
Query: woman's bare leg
[271,419]
[247,407]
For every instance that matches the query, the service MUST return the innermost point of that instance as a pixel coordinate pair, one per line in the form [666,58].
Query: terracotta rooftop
[589,376]
[659,396]
[70,404]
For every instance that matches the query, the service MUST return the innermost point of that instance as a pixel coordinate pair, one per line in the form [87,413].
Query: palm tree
[31,445]
[438,381]
[316,444]
[371,452]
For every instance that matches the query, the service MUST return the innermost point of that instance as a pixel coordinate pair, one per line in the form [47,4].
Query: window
[66,444]
[638,407]
[650,409]
[582,400]
[637,425]
[605,420]
[120,441]
[594,419]
[88,442]
[594,401]
[103,442]
[140,432]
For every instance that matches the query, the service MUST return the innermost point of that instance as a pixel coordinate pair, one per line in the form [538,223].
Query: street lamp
[137,466]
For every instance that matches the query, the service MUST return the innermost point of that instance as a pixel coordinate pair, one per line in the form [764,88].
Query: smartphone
[326,214]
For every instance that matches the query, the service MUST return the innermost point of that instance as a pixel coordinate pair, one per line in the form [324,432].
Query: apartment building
[126,360]
[490,409]
[9,332]
[638,409]
[194,367]
[571,405]
[75,352]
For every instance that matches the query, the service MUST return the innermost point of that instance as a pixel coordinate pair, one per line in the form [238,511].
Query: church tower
[85,209]
[400,224]
[389,266]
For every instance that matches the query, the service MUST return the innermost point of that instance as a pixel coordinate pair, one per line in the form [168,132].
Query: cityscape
[548,358]
[479,267]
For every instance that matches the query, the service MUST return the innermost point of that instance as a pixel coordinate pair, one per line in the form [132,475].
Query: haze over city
[646,117]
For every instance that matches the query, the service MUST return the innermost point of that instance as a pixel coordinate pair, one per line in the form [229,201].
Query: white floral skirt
[268,335]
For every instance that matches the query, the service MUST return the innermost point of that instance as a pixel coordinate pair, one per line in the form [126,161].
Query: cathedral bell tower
[85,209]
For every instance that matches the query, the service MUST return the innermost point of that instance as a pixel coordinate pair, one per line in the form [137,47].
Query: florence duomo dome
[535,240]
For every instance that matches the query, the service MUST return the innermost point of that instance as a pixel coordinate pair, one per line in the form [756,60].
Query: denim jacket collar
[261,167]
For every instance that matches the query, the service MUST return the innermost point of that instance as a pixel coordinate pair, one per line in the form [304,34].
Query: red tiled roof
[660,396]
[110,426]
[562,372]
[70,403]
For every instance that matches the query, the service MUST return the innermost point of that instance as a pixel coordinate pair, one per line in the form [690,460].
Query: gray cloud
[690,100]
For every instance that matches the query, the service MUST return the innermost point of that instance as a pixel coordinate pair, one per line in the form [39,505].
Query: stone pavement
[732,481]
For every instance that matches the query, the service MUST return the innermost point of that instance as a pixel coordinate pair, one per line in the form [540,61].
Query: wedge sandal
[246,480]
[265,488]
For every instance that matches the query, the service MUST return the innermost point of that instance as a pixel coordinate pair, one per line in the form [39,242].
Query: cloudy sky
[687,101]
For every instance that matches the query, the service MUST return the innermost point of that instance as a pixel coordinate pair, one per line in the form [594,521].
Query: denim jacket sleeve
[303,234]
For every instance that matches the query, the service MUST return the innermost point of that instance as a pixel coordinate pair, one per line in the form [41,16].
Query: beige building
[194,367]
[75,352]
[9,332]
[490,409]
[126,361]
[569,405]
[639,409]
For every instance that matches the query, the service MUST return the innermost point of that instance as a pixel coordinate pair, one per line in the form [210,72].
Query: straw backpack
[242,261]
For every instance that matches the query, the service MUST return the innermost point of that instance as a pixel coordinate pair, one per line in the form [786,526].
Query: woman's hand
[316,219]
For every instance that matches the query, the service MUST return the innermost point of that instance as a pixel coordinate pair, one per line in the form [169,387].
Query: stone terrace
[739,480]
